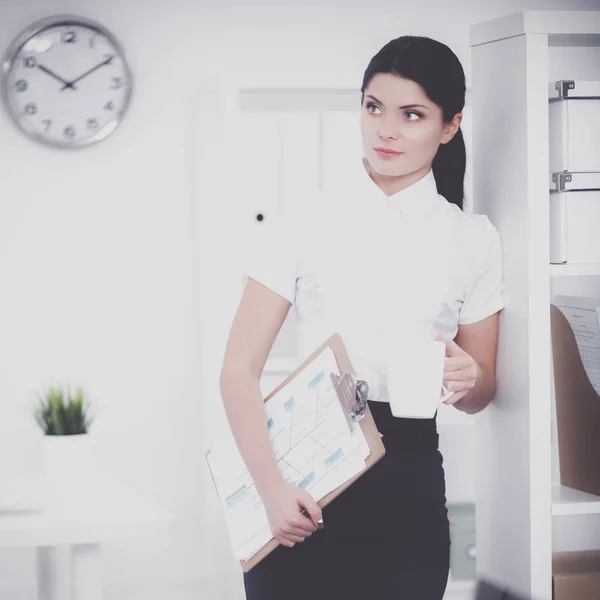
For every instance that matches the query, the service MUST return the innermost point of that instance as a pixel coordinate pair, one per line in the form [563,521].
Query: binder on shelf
[352,394]
[576,381]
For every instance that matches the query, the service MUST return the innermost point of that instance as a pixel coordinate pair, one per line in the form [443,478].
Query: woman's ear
[451,128]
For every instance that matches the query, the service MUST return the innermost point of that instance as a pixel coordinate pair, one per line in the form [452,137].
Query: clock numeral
[68,37]
[93,40]
[69,132]
[29,62]
[92,123]
[30,109]
[21,85]
[109,105]
[117,82]
[47,123]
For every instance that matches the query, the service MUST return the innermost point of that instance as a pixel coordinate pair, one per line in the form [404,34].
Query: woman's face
[397,115]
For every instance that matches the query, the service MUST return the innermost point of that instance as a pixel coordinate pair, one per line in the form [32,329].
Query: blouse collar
[412,201]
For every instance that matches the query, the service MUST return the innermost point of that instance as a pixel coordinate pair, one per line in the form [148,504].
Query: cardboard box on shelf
[577,409]
[576,575]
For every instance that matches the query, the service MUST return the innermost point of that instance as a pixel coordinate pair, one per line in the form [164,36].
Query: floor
[192,591]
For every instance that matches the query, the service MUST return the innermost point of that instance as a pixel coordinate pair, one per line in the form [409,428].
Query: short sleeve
[272,257]
[485,295]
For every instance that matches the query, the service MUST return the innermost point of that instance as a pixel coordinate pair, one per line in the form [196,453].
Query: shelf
[553,23]
[575,269]
[568,501]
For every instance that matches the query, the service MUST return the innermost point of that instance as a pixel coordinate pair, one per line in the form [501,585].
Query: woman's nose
[388,130]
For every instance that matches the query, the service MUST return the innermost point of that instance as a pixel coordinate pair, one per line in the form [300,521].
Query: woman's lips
[388,154]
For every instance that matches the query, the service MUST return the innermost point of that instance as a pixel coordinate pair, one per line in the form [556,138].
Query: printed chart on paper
[312,444]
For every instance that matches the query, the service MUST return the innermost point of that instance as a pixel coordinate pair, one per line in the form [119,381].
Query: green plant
[60,413]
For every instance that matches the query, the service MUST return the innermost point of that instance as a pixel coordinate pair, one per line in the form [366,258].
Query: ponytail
[449,169]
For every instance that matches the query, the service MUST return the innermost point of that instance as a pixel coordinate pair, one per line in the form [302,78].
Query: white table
[80,515]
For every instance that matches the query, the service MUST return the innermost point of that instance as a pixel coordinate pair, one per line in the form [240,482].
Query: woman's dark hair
[438,71]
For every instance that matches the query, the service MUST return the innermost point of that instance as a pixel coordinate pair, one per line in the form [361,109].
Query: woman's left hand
[460,370]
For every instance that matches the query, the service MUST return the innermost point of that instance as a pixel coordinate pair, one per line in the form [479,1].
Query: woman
[395,255]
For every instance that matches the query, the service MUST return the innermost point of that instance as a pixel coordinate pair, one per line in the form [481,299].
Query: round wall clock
[65,82]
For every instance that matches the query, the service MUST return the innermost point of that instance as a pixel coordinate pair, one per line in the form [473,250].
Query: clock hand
[52,74]
[105,62]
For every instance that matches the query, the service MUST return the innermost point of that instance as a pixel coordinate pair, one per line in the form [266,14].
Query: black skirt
[386,537]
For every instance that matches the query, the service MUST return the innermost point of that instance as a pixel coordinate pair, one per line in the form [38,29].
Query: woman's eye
[409,114]
[370,106]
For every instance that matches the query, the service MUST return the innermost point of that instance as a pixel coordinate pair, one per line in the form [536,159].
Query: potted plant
[65,420]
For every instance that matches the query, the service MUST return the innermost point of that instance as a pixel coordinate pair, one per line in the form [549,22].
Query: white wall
[98,249]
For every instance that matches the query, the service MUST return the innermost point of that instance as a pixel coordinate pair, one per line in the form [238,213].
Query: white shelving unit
[568,501]
[577,270]
[521,508]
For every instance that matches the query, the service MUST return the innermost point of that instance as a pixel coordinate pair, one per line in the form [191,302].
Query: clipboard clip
[353,395]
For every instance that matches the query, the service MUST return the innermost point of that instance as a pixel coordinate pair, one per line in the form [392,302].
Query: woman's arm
[259,318]
[257,322]
[470,369]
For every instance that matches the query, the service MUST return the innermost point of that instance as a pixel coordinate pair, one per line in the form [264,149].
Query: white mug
[415,375]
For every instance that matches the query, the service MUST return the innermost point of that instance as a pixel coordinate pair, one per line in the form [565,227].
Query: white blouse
[378,269]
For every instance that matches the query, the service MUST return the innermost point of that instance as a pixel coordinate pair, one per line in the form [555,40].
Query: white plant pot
[68,457]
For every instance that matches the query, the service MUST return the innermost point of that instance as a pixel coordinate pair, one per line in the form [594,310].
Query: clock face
[66,82]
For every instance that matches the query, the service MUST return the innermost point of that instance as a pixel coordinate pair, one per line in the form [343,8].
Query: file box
[575,218]
[574,126]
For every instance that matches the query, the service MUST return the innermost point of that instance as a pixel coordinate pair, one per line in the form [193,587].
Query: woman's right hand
[283,505]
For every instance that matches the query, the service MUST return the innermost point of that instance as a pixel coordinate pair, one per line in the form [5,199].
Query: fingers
[304,531]
[297,517]
[289,540]
[284,542]
[444,391]
[455,363]
[303,524]
[290,536]
[297,529]
[453,385]
[294,531]
[459,385]
[455,397]
[314,511]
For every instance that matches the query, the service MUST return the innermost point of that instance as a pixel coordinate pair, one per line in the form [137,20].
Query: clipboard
[353,397]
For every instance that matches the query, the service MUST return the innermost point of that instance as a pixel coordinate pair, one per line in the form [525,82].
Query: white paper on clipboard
[313,446]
